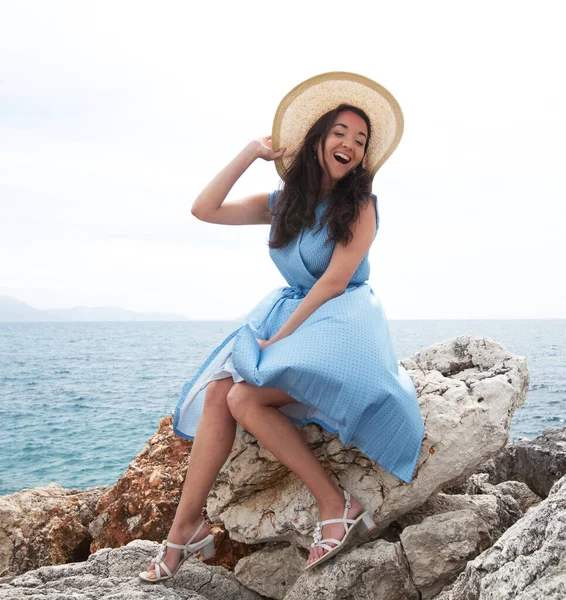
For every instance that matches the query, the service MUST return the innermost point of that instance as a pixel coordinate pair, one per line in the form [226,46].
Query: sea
[78,401]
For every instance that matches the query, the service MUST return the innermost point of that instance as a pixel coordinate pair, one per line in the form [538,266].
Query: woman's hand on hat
[264,149]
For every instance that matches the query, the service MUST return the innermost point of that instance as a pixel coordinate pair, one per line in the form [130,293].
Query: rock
[539,463]
[271,572]
[142,504]
[523,495]
[113,574]
[485,506]
[528,562]
[45,526]
[377,571]
[498,468]
[499,506]
[468,389]
[440,546]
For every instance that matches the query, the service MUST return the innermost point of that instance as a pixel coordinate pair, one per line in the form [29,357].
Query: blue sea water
[78,401]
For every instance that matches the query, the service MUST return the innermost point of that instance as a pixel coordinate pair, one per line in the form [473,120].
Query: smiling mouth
[342,158]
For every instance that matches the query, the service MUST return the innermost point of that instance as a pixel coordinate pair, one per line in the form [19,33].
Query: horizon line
[231,320]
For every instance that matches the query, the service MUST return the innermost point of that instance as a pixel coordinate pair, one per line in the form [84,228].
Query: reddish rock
[142,504]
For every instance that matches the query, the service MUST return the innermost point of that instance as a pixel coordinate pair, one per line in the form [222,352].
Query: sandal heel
[366,524]
[208,551]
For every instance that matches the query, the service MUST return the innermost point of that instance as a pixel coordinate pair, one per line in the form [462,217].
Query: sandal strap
[165,568]
[194,534]
[183,546]
[196,546]
[158,566]
[172,545]
[333,540]
[325,546]
[329,521]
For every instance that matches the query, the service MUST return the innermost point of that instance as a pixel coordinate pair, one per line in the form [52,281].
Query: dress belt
[295,293]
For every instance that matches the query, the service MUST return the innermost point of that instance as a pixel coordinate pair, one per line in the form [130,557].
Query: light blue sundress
[339,364]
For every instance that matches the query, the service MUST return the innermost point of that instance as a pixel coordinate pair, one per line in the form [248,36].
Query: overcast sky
[115,114]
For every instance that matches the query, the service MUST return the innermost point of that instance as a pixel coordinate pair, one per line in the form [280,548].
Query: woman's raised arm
[209,205]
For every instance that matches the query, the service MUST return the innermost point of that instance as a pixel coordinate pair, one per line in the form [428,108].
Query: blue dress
[339,364]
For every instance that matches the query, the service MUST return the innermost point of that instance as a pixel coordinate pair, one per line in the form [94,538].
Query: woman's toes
[150,571]
[316,553]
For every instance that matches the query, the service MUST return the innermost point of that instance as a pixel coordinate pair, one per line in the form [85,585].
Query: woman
[319,349]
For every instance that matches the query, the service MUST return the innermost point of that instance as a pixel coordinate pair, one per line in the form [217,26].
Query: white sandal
[205,547]
[364,520]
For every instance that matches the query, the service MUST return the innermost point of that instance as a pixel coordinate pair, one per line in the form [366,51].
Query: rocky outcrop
[112,574]
[528,562]
[142,504]
[45,526]
[459,504]
[468,390]
[427,556]
[538,463]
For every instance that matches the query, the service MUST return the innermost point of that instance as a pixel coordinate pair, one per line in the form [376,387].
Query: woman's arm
[343,264]
[322,291]
[209,205]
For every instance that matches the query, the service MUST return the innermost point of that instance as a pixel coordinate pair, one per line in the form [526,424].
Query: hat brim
[307,102]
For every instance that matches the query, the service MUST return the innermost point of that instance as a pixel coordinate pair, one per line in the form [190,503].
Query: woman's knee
[238,399]
[217,392]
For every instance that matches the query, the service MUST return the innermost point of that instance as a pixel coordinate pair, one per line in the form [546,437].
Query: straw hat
[308,101]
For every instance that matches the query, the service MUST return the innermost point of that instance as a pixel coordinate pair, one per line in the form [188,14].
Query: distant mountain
[13,310]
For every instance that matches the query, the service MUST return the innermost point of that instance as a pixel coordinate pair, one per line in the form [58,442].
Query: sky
[114,115]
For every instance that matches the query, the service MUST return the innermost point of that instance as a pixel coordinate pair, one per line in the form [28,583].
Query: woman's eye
[338,133]
[359,143]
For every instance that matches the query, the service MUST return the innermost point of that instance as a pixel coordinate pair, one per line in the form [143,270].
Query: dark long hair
[296,202]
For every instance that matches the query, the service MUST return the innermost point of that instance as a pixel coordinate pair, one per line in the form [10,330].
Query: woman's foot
[334,509]
[179,535]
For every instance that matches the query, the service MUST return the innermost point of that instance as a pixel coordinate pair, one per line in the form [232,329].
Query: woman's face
[345,146]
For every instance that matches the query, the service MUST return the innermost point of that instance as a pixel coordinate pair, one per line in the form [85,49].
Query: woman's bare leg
[257,409]
[213,442]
